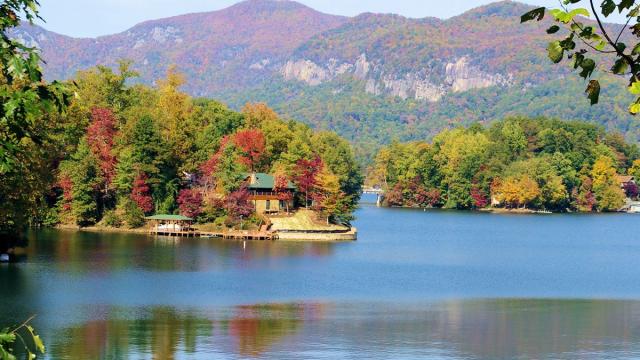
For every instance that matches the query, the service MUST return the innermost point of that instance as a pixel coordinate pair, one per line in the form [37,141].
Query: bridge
[376,191]
[372,190]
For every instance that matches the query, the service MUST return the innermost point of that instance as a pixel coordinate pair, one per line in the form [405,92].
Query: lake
[416,285]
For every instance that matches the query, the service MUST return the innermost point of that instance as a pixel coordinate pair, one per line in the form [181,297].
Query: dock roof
[165,217]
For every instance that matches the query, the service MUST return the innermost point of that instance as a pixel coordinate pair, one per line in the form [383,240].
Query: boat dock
[227,235]
[181,226]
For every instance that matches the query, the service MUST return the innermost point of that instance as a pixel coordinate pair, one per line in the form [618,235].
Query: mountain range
[373,77]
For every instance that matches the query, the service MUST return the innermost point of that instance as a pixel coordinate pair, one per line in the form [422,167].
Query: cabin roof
[165,217]
[264,181]
[623,179]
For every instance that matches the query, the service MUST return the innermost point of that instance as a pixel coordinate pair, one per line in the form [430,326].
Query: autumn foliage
[282,190]
[251,144]
[238,205]
[480,199]
[190,202]
[66,185]
[100,137]
[140,193]
[306,178]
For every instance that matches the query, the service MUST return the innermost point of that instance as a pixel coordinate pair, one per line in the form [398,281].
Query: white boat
[4,258]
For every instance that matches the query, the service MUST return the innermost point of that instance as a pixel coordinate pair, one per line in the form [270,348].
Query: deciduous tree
[238,205]
[141,194]
[251,146]
[606,189]
[100,136]
[327,194]
[190,202]
[306,178]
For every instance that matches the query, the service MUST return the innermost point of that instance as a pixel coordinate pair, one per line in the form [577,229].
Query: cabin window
[268,205]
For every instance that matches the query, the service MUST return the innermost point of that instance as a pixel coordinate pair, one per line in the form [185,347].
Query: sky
[82,18]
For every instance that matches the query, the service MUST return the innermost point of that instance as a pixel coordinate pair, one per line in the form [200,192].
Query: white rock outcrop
[306,71]
[458,76]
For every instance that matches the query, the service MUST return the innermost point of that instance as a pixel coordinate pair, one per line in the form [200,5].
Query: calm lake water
[416,285]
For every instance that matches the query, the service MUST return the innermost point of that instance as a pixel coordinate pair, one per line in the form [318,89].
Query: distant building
[265,199]
[625,180]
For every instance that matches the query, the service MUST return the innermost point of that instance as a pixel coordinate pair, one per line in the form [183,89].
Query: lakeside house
[264,197]
[625,180]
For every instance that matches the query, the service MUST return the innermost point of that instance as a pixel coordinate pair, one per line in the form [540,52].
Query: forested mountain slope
[372,78]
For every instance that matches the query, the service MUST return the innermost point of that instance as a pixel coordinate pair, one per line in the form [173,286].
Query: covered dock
[172,225]
[178,225]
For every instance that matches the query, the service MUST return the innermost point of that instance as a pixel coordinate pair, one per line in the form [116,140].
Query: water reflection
[166,333]
[477,329]
[73,251]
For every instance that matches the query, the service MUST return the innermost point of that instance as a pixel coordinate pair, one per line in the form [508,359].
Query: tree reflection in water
[476,329]
[76,251]
[165,333]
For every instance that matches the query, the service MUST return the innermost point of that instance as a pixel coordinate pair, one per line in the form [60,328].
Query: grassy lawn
[302,220]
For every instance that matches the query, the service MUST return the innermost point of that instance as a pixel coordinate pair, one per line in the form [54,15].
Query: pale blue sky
[82,18]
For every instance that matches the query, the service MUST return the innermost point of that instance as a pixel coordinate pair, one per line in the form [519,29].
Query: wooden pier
[181,226]
[227,235]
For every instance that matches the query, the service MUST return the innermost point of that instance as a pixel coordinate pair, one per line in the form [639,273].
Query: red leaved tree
[190,203]
[631,190]
[67,196]
[306,178]
[100,135]
[140,193]
[251,144]
[281,188]
[480,199]
[209,167]
[394,197]
[237,203]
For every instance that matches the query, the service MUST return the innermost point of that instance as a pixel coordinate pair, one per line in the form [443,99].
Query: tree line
[518,162]
[120,152]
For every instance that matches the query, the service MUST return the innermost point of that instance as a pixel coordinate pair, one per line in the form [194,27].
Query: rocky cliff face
[461,76]
[458,76]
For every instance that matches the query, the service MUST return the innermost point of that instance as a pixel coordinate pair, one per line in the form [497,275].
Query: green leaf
[577,60]
[593,91]
[587,65]
[555,51]
[634,108]
[586,32]
[537,14]
[620,66]
[5,355]
[608,6]
[7,338]
[636,49]
[36,339]
[621,46]
[566,17]
[625,4]
[553,29]
[635,88]
[580,11]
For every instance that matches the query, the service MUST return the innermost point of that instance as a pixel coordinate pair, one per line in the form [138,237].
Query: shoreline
[288,236]
[505,211]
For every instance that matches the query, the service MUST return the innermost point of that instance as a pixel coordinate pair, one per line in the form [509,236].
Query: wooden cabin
[625,180]
[265,200]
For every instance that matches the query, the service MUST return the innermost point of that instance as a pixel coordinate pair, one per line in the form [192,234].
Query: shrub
[132,214]
[111,219]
